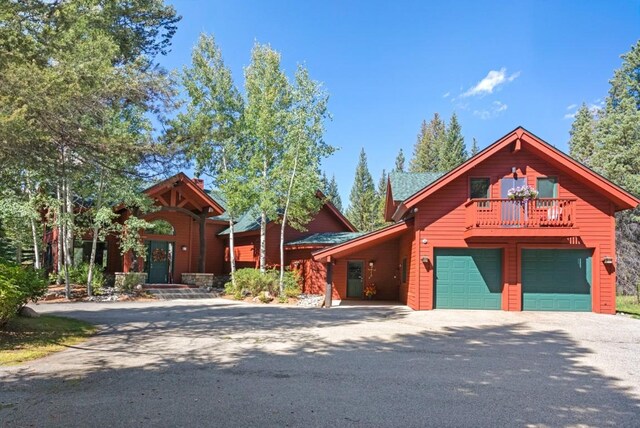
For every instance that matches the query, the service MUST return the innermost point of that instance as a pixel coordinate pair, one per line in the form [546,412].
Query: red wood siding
[441,220]
[386,275]
[312,274]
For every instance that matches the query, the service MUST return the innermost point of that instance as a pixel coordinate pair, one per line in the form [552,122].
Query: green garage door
[556,280]
[468,278]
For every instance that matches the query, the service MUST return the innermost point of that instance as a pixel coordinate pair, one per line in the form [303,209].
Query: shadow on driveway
[202,365]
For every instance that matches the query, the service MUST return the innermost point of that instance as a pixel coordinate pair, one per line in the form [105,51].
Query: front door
[510,209]
[354,278]
[159,261]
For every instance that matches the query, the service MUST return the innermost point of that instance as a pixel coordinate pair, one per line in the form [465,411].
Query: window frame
[485,204]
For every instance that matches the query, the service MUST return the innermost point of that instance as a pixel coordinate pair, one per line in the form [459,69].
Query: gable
[516,143]
[182,193]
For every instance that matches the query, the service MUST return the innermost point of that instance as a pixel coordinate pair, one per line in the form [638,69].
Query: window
[547,187]
[161,227]
[404,270]
[479,188]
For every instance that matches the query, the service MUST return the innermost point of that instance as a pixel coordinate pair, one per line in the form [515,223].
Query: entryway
[355,271]
[160,262]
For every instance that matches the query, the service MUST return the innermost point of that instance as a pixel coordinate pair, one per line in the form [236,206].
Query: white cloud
[570,115]
[492,80]
[446,95]
[572,106]
[494,110]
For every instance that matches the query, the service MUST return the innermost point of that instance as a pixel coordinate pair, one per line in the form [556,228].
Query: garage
[556,280]
[468,278]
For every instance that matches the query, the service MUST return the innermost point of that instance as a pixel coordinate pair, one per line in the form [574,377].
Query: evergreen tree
[474,148]
[399,162]
[426,151]
[332,193]
[626,80]
[452,151]
[382,198]
[582,141]
[613,150]
[363,206]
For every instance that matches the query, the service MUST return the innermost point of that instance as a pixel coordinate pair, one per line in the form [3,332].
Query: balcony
[506,217]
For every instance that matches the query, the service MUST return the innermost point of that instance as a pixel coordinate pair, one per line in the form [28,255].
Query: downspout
[328,289]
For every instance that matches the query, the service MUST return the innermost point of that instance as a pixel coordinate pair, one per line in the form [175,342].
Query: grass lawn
[25,339]
[628,305]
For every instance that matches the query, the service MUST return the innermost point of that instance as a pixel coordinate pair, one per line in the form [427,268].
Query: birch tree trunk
[232,252]
[94,238]
[60,233]
[284,221]
[63,238]
[34,229]
[263,225]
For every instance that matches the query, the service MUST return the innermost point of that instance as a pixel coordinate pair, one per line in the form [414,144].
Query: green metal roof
[327,238]
[248,221]
[217,196]
[405,184]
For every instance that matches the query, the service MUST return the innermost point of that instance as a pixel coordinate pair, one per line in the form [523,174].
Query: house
[190,235]
[459,241]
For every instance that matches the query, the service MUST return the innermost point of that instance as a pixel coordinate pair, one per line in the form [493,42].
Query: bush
[18,285]
[80,274]
[252,281]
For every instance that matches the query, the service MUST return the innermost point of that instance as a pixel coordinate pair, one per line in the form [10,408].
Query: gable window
[547,187]
[479,189]
[404,270]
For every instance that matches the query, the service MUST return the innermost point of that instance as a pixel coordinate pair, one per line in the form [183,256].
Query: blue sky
[389,65]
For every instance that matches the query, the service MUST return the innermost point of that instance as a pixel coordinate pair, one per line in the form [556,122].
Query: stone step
[184,293]
[168,286]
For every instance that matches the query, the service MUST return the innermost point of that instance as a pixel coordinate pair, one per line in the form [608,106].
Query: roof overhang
[364,241]
[520,138]
[191,191]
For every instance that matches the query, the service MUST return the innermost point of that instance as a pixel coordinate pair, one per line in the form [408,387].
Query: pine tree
[474,148]
[452,151]
[332,193]
[362,211]
[582,141]
[626,80]
[426,151]
[399,162]
[382,198]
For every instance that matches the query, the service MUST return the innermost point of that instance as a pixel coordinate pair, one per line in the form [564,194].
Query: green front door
[354,279]
[159,262]
[468,278]
[556,280]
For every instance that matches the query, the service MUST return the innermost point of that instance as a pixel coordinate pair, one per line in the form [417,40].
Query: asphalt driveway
[221,363]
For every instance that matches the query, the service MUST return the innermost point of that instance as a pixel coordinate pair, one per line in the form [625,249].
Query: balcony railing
[507,213]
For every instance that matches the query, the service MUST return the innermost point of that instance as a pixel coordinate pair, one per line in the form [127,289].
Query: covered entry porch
[368,269]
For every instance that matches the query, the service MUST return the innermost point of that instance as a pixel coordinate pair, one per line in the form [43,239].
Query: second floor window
[547,187]
[479,189]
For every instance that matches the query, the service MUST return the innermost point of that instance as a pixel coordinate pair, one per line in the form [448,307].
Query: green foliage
[582,141]
[18,285]
[426,152]
[254,282]
[399,166]
[332,193]
[608,141]
[474,148]
[452,151]
[382,198]
[363,201]
[80,274]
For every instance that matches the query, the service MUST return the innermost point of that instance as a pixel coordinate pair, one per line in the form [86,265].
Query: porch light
[183,248]
[425,260]
[607,260]
[371,263]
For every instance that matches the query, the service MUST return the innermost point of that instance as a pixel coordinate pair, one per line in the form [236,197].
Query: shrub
[18,285]
[254,282]
[80,274]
